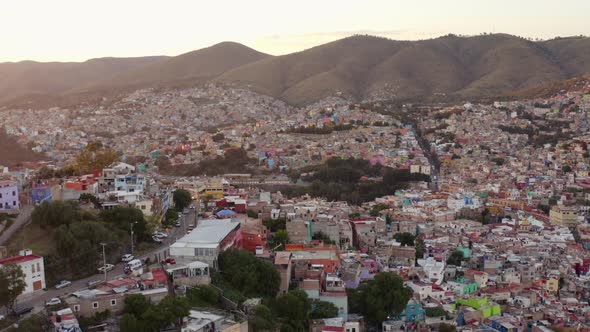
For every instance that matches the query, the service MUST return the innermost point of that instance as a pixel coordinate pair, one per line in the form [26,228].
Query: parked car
[107,267]
[192,207]
[93,283]
[160,234]
[127,257]
[63,284]
[185,211]
[156,239]
[22,311]
[2,317]
[53,301]
[177,224]
[191,227]
[170,261]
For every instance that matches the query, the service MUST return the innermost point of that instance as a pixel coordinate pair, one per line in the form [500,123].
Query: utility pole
[132,236]
[104,260]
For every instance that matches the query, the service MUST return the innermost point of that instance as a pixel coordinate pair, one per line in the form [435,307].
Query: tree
[12,285]
[56,213]
[136,305]
[566,168]
[322,237]
[323,309]
[281,237]
[293,309]
[182,199]
[384,296]
[275,225]
[420,248]
[171,216]
[406,239]
[243,272]
[252,214]
[456,258]
[261,319]
[175,309]
[130,323]
[121,217]
[203,296]
[95,157]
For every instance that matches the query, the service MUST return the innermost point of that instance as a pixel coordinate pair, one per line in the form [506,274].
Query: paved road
[21,221]
[38,299]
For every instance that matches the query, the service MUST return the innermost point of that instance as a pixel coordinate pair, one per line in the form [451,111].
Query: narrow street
[21,221]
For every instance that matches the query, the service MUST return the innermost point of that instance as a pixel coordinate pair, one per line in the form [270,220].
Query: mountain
[42,84]
[205,63]
[51,78]
[357,66]
[362,66]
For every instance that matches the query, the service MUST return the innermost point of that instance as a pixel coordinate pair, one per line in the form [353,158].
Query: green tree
[252,214]
[56,213]
[182,199]
[136,305]
[130,323]
[323,237]
[420,248]
[275,225]
[33,323]
[406,239]
[121,217]
[12,285]
[243,272]
[455,258]
[175,309]
[281,237]
[171,216]
[293,308]
[203,296]
[566,168]
[381,297]
[261,319]
[323,309]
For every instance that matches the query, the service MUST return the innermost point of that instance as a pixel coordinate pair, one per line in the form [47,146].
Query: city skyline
[66,30]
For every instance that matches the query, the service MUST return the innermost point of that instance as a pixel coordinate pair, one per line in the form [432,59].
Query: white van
[134,264]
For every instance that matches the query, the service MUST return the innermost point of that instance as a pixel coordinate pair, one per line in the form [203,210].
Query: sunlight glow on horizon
[71,30]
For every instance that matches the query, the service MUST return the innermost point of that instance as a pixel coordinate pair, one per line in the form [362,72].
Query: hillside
[358,67]
[363,66]
[12,153]
[52,78]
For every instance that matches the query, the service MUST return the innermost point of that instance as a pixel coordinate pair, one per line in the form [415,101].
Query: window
[113,302]
[13,203]
[33,268]
[95,305]
[76,307]
[38,267]
[14,193]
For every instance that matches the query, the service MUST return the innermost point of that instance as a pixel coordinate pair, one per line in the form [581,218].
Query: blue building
[40,193]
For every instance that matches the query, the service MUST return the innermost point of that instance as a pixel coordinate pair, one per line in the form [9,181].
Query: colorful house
[482,305]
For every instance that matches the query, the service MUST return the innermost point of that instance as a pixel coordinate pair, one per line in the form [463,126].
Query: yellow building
[552,285]
[213,189]
[565,216]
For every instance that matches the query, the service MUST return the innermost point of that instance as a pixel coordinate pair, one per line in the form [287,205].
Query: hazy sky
[74,30]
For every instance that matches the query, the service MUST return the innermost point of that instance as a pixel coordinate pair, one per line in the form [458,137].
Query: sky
[77,30]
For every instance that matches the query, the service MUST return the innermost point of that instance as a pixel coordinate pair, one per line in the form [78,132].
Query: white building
[33,268]
[207,240]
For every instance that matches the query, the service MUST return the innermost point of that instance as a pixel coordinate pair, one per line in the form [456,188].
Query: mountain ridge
[358,67]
